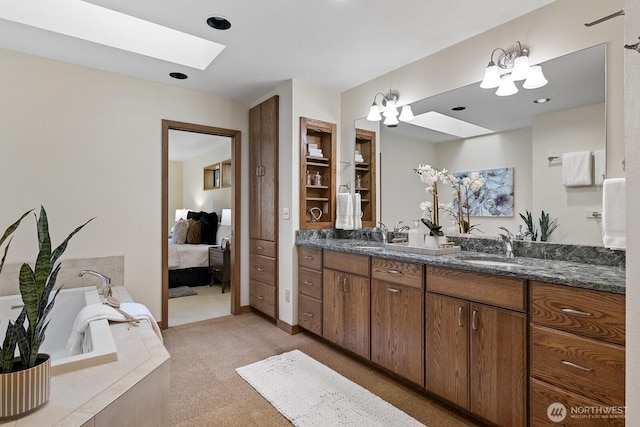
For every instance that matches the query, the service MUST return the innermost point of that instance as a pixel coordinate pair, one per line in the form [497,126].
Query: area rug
[181,291]
[309,393]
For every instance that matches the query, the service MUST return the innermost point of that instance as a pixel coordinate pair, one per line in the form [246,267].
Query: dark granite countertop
[576,274]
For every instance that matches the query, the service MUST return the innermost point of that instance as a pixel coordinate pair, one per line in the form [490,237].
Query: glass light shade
[181,214]
[226,217]
[374,113]
[536,79]
[391,120]
[406,115]
[507,87]
[390,109]
[521,68]
[491,77]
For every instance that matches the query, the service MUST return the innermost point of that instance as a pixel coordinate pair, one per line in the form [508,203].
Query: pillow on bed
[193,234]
[195,215]
[180,232]
[209,225]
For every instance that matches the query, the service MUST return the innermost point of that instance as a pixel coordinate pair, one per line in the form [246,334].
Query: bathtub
[98,342]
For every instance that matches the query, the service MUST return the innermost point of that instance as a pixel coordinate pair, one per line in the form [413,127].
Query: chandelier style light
[516,63]
[388,107]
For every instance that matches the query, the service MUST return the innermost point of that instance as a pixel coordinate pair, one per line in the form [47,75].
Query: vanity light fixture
[516,63]
[388,107]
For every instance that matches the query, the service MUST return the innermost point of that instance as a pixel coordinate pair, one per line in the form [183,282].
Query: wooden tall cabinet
[365,179]
[263,206]
[317,174]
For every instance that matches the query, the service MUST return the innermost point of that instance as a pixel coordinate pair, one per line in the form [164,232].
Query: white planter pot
[434,242]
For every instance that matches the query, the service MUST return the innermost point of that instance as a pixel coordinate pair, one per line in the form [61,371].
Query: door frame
[236,156]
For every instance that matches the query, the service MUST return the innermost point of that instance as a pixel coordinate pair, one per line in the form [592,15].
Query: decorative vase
[26,390]
[434,242]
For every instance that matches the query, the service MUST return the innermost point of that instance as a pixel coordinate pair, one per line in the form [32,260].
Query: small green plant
[36,286]
[434,229]
[547,226]
[531,226]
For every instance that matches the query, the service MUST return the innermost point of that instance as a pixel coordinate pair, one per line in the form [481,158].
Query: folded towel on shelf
[357,211]
[315,153]
[576,168]
[614,231]
[93,312]
[359,158]
[599,166]
[344,211]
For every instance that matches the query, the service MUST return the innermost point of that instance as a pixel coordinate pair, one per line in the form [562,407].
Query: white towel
[599,166]
[94,312]
[357,211]
[576,168]
[614,231]
[344,211]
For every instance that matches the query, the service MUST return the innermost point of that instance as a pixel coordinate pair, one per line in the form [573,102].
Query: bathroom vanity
[499,340]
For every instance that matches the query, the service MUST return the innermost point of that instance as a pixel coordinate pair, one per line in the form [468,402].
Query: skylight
[76,18]
[449,125]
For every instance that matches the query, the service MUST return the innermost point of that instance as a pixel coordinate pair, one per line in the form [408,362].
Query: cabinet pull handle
[344,285]
[474,320]
[257,170]
[216,269]
[306,313]
[263,170]
[460,317]
[259,268]
[578,312]
[394,290]
[391,271]
[260,297]
[307,257]
[308,283]
[573,365]
[260,248]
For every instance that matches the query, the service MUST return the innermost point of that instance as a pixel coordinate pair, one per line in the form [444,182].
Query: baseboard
[290,329]
[244,309]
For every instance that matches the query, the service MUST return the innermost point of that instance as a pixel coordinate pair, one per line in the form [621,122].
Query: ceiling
[334,44]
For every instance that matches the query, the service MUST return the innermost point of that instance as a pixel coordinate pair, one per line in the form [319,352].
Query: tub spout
[106,281]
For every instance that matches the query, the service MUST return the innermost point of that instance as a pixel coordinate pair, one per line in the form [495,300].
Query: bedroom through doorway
[199,213]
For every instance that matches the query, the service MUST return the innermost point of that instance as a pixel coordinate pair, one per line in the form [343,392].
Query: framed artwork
[494,198]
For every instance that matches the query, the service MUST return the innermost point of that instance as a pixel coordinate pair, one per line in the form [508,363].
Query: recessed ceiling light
[179,76]
[541,100]
[458,108]
[219,22]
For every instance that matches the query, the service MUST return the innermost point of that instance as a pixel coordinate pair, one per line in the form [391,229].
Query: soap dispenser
[416,235]
[519,234]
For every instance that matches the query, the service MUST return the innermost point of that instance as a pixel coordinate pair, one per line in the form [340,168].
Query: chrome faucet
[399,227]
[106,281]
[508,242]
[383,231]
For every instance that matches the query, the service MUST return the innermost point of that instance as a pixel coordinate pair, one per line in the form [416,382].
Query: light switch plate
[285,213]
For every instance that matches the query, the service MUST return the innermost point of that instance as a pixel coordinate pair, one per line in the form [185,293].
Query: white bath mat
[309,393]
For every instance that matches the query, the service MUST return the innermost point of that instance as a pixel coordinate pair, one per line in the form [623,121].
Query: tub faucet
[106,281]
[383,231]
[508,242]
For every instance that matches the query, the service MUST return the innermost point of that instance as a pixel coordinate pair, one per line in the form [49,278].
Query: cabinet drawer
[263,269]
[592,313]
[349,263]
[310,283]
[543,395]
[403,273]
[310,258]
[310,314]
[486,288]
[262,297]
[583,365]
[216,256]
[263,247]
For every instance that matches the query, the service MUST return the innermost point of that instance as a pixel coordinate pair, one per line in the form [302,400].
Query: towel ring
[312,212]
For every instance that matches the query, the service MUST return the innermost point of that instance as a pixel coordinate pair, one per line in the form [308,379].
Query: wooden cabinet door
[255,132]
[447,348]
[345,311]
[498,365]
[397,334]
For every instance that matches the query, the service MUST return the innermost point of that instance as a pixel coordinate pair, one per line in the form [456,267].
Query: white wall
[174,196]
[194,195]
[578,129]
[87,143]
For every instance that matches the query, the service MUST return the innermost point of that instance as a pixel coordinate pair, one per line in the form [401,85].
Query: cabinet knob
[260,248]
[394,290]
[259,268]
[573,365]
[260,297]
[391,271]
[308,283]
[577,312]
[307,257]
[216,269]
[306,313]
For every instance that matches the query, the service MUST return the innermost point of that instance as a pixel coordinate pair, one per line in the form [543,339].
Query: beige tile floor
[210,303]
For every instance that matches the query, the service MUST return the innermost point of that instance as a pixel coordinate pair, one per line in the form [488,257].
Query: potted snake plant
[25,381]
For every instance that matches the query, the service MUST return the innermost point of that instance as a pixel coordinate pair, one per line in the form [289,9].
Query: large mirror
[527,136]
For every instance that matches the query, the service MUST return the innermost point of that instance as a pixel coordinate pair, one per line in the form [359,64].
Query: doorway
[235,140]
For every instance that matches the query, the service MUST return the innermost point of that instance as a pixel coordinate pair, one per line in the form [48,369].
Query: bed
[188,254]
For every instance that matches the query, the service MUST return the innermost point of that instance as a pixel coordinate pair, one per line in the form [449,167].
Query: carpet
[181,291]
[309,393]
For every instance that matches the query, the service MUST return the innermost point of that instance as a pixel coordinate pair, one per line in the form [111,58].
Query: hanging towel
[357,211]
[576,168]
[614,232]
[599,165]
[344,211]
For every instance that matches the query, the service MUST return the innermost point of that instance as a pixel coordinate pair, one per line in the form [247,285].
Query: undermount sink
[489,262]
